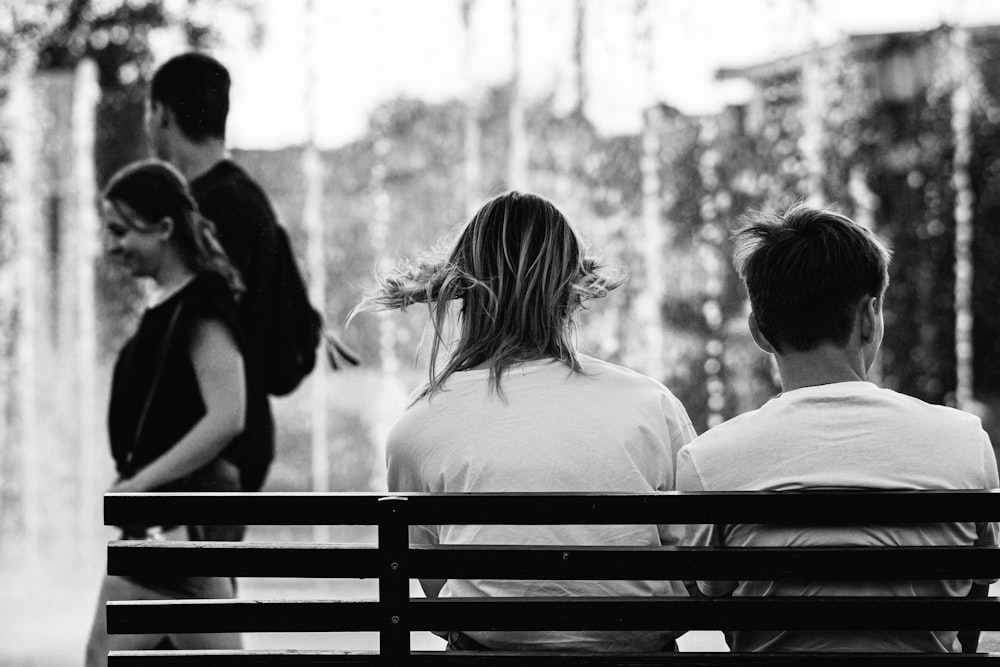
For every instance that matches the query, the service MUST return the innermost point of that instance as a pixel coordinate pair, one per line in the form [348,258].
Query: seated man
[816,281]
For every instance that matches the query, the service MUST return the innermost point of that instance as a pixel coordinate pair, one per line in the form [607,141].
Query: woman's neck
[169,281]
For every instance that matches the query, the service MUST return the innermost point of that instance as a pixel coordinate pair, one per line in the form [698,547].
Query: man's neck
[825,364]
[193,160]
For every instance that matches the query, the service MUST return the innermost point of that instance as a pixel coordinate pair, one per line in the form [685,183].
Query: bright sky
[365,51]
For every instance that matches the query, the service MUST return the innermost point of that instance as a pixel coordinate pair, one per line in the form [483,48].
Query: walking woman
[182,408]
[514,406]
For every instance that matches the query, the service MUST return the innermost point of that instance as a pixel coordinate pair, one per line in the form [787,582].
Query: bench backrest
[394,562]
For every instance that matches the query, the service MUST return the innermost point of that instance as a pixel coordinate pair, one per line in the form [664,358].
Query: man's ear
[758,337]
[868,310]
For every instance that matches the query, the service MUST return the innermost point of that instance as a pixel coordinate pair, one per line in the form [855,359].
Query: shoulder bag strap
[161,359]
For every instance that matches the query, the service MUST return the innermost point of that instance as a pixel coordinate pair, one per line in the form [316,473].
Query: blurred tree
[580,72]
[985,172]
[517,141]
[115,35]
[650,234]
[49,40]
[472,140]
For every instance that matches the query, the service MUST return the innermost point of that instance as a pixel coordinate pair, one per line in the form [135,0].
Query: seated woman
[515,407]
[182,409]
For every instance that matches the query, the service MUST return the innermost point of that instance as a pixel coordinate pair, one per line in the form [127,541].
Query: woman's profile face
[131,241]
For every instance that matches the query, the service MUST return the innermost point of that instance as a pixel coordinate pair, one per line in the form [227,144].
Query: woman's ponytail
[210,256]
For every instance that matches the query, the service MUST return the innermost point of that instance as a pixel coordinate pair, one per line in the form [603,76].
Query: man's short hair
[195,86]
[805,269]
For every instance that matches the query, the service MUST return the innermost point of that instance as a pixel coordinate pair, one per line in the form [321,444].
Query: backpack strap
[338,353]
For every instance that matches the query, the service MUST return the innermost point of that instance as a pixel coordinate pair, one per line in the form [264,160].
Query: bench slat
[491,659]
[252,658]
[148,616]
[810,508]
[244,559]
[829,613]
[685,563]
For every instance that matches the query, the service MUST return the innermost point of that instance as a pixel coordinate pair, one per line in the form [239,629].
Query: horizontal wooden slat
[143,616]
[547,562]
[810,508]
[491,659]
[812,613]
[852,563]
[242,559]
[290,509]
[250,658]
[829,613]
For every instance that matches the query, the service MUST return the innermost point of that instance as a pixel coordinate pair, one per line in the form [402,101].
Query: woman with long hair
[510,404]
[182,408]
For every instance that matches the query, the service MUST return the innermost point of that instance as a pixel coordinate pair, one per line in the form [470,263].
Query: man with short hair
[816,282]
[186,114]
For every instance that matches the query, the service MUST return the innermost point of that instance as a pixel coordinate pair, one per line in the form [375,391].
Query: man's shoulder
[921,406]
[829,435]
[228,196]
[224,180]
[733,433]
[919,416]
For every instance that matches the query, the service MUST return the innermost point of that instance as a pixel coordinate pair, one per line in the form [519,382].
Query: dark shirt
[177,405]
[247,229]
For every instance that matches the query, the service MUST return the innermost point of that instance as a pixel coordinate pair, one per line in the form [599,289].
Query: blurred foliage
[348,437]
[888,138]
[986,246]
[882,154]
[115,35]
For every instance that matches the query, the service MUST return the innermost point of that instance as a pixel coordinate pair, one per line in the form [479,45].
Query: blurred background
[377,126]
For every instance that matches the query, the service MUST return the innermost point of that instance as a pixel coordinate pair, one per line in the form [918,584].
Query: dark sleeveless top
[177,404]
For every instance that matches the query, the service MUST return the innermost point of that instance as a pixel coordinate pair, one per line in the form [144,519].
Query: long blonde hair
[521,273]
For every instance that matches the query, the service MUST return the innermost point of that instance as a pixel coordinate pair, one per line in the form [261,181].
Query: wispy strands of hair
[424,281]
[595,281]
[488,333]
[520,272]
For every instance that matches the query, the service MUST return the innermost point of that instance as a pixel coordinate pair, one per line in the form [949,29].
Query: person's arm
[402,476]
[680,432]
[969,639]
[700,535]
[432,587]
[218,368]
[424,535]
[986,536]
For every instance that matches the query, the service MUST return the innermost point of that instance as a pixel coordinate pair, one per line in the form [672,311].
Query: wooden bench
[393,563]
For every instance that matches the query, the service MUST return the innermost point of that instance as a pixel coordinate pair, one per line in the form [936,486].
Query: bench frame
[394,562]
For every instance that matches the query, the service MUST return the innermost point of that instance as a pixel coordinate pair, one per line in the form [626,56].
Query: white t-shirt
[841,436]
[608,429]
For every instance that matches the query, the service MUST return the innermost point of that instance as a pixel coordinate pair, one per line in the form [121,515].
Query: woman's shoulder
[625,381]
[208,296]
[210,287]
[612,372]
